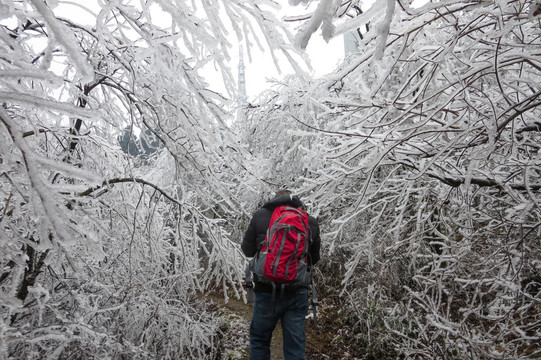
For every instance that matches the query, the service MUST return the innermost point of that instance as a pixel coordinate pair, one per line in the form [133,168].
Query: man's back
[257,229]
[289,306]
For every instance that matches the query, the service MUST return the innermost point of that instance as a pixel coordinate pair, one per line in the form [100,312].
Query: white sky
[324,57]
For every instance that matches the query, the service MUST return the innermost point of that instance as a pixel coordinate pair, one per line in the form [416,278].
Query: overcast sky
[323,56]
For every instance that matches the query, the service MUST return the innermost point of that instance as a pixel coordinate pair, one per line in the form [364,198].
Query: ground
[236,316]
[328,340]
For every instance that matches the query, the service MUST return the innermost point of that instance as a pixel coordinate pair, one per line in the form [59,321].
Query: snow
[322,17]
[383,28]
[419,155]
[61,34]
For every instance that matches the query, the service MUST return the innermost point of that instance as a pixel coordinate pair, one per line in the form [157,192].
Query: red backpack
[282,259]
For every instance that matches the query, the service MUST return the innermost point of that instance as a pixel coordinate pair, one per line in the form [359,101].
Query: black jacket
[257,230]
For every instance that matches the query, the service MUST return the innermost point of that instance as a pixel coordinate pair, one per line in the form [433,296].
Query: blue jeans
[291,308]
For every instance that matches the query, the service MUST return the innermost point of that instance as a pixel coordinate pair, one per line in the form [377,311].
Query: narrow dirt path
[236,316]
[330,340]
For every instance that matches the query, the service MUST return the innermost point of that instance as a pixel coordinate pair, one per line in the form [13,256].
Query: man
[291,305]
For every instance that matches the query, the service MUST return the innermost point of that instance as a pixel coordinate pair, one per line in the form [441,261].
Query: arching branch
[91,190]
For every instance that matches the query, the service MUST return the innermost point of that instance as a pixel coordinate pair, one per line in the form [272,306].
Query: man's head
[282,192]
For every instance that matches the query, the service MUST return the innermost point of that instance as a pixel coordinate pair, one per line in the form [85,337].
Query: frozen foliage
[103,254]
[420,155]
[60,34]
[383,29]
[322,17]
[423,163]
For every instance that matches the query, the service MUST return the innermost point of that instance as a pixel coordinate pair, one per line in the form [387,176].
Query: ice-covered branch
[109,182]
